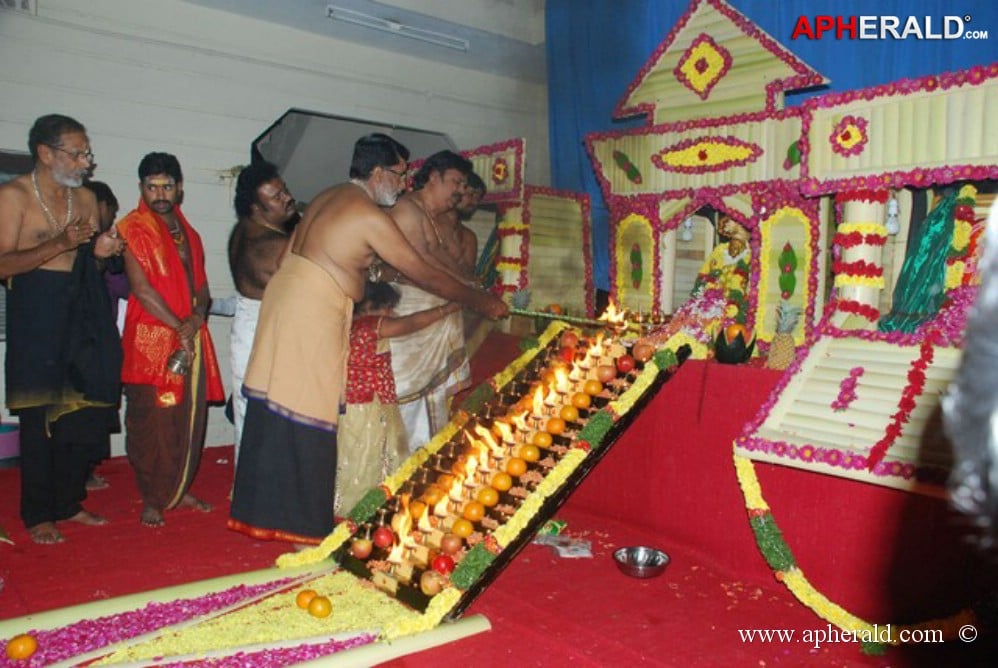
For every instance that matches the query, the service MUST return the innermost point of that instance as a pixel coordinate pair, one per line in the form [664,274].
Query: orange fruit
[21,647]
[592,386]
[445,480]
[502,481]
[541,439]
[516,467]
[581,400]
[555,426]
[305,597]
[320,607]
[462,528]
[569,413]
[488,497]
[473,511]
[416,509]
[531,453]
[732,331]
[433,494]
[556,309]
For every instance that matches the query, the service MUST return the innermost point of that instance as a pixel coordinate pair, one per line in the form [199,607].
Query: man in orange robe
[166,413]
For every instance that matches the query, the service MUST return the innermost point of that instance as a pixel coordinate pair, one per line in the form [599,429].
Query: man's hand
[492,307]
[75,234]
[109,243]
[189,327]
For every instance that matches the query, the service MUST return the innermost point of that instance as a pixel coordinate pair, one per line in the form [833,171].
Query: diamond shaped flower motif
[702,65]
[849,136]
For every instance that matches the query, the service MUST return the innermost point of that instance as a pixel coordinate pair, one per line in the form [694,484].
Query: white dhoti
[430,366]
[240,345]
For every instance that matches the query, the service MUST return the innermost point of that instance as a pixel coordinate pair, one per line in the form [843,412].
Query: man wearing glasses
[431,365]
[295,381]
[63,351]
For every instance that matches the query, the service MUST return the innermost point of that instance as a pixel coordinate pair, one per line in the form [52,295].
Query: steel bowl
[641,562]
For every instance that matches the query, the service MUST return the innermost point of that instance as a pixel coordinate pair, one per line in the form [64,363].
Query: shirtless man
[267,215]
[428,215]
[46,224]
[431,365]
[460,242]
[294,384]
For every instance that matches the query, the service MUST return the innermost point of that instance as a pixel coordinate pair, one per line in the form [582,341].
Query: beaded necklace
[45,210]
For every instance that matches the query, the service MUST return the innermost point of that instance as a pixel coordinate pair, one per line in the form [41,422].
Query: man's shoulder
[18,187]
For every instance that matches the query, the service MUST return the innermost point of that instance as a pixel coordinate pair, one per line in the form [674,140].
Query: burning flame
[505,432]
[494,448]
[520,421]
[612,315]
[562,384]
[538,402]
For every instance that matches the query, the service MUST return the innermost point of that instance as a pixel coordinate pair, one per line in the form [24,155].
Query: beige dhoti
[298,363]
[430,366]
[371,445]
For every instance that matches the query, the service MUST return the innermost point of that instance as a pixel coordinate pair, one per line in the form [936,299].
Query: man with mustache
[267,215]
[170,371]
[431,365]
[63,354]
[294,385]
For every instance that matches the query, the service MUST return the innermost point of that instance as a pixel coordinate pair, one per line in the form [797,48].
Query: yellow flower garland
[842,280]
[355,607]
[863,228]
[805,592]
[625,402]
[512,528]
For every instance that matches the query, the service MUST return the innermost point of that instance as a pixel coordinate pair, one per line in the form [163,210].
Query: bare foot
[88,518]
[191,501]
[45,534]
[151,517]
[95,482]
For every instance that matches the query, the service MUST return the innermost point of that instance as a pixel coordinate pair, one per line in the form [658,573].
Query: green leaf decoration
[471,567]
[774,549]
[526,344]
[368,505]
[629,168]
[480,396]
[636,273]
[788,269]
[595,430]
[793,155]
[665,359]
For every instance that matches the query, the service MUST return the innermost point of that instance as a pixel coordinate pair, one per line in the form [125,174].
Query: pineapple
[781,350]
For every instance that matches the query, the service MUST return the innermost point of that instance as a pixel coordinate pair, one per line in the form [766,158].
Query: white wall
[167,75]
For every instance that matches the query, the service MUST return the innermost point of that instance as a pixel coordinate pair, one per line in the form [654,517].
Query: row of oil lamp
[478,479]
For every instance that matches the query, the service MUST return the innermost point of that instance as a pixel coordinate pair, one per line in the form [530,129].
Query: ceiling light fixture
[396,28]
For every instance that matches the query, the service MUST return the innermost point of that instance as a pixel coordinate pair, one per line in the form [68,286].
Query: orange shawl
[147,342]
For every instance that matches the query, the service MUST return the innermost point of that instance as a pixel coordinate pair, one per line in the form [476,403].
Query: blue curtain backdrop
[596,47]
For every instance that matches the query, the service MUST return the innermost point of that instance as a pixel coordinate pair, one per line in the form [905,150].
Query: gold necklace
[429,216]
[49,217]
[272,228]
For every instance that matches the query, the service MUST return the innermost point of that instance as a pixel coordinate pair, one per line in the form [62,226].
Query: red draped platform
[669,482]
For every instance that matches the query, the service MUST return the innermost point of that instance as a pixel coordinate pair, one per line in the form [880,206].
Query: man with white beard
[63,351]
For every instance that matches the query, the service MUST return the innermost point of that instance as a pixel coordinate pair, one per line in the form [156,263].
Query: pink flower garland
[87,635]
[847,390]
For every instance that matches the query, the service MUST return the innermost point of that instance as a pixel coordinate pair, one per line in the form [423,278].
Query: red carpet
[668,482]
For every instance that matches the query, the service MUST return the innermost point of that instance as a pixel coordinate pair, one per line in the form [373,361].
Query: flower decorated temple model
[833,199]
